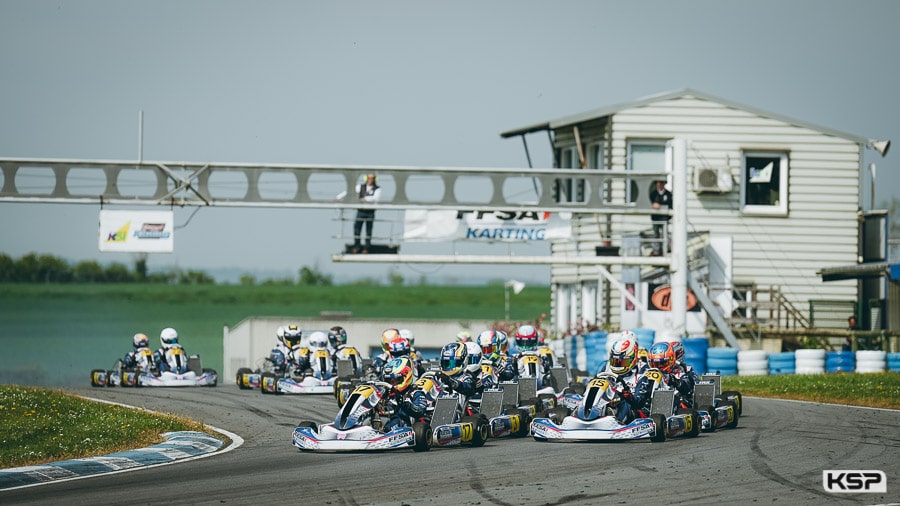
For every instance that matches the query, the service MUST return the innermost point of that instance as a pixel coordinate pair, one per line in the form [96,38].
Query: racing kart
[449,414]
[182,371]
[319,378]
[594,416]
[359,426]
[717,409]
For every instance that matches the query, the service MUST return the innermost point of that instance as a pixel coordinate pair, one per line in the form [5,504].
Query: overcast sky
[396,83]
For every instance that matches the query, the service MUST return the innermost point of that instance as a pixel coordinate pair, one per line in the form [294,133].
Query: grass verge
[880,390]
[39,425]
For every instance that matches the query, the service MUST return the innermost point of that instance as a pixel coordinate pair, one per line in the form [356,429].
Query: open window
[764,183]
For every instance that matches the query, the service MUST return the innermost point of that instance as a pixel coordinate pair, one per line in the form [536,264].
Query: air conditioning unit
[712,180]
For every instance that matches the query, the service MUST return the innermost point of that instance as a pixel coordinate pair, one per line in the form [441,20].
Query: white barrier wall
[252,339]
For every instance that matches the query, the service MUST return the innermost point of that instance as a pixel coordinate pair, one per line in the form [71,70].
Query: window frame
[779,209]
[629,164]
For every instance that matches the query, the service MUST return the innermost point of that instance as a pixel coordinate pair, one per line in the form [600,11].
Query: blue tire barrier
[782,363]
[893,362]
[723,371]
[645,337]
[840,361]
[720,363]
[722,353]
[595,349]
[695,353]
[723,360]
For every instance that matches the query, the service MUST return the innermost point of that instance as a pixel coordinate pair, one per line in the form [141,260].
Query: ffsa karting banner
[485,226]
[137,231]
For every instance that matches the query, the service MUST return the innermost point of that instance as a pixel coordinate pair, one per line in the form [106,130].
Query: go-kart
[594,417]
[359,424]
[318,378]
[717,409]
[448,412]
[181,371]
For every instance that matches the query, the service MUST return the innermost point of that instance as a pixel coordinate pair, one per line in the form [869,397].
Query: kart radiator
[527,390]
[704,395]
[492,403]
[444,411]
[510,393]
[663,403]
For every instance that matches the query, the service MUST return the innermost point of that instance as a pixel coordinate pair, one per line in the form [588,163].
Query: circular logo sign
[661,298]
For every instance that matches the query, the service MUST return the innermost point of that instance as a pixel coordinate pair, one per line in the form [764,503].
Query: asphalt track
[775,456]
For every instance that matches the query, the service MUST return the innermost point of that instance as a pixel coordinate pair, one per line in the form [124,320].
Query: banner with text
[137,231]
[485,226]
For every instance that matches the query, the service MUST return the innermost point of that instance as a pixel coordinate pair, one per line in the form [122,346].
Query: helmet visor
[449,364]
[619,362]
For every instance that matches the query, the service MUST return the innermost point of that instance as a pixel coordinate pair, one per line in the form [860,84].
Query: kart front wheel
[660,422]
[481,428]
[241,375]
[307,424]
[423,437]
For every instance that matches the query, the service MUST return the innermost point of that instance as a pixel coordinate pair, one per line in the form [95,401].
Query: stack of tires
[695,349]
[595,350]
[871,361]
[782,363]
[645,337]
[893,362]
[752,363]
[722,360]
[810,361]
[575,351]
[840,361]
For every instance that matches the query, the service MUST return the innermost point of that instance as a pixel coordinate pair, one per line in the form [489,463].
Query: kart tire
[482,429]
[660,422]
[94,382]
[422,437]
[556,414]
[262,382]
[109,380]
[695,424]
[240,376]
[737,415]
[713,418]
[212,371]
[524,422]
[312,425]
[547,399]
[735,397]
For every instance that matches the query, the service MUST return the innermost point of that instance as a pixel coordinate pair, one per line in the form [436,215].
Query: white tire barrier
[869,361]
[810,361]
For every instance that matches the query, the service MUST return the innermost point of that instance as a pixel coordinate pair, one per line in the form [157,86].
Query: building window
[764,178]
[569,190]
[644,156]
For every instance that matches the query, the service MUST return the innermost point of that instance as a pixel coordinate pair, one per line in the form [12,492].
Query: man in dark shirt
[659,199]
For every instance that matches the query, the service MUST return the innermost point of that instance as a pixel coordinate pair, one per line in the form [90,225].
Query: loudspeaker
[881,146]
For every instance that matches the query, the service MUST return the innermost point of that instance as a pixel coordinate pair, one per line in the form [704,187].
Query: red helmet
[662,356]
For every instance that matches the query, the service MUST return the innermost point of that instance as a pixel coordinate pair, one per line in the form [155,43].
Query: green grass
[874,390]
[53,335]
[40,425]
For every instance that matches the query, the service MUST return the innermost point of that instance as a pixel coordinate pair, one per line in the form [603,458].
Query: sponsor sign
[137,231]
[854,481]
[485,226]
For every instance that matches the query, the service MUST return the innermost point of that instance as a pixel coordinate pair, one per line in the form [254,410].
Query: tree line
[34,268]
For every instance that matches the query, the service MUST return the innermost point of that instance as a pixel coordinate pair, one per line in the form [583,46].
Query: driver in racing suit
[682,376]
[141,355]
[454,372]
[492,352]
[628,371]
[404,408]
[168,339]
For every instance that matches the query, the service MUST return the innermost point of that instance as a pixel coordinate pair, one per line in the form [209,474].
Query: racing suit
[543,373]
[280,358]
[683,378]
[346,352]
[141,358]
[635,389]
[162,364]
[463,382]
[505,368]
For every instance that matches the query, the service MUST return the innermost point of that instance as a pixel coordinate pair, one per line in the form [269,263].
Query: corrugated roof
[857,271]
[686,92]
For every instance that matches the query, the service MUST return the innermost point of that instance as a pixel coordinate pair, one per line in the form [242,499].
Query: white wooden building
[779,197]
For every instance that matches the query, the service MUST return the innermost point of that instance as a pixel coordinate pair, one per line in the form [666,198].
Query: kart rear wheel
[733,423]
[524,422]
[239,379]
[482,429]
[736,398]
[308,424]
[423,437]
[547,400]
[556,414]
[660,422]
[98,378]
[695,423]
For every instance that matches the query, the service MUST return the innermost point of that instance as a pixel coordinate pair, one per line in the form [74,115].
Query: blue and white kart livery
[594,418]
[358,426]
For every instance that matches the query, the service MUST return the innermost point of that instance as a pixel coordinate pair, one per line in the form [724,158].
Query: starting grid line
[178,445]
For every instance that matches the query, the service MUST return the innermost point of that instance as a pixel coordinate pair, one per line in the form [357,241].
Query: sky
[396,83]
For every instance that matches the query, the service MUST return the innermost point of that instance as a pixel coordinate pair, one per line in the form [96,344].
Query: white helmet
[140,341]
[408,334]
[292,335]
[168,338]
[473,357]
[318,340]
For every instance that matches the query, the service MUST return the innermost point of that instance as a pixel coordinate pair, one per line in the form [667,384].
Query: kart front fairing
[171,379]
[358,438]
